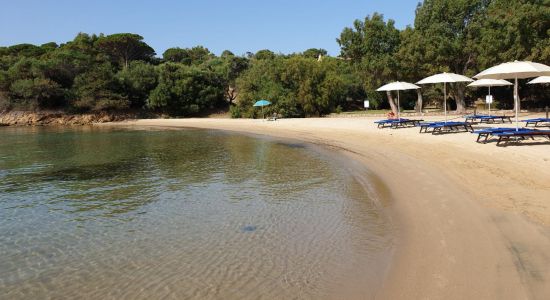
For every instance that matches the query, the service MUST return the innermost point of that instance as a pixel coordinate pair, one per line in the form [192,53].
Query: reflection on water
[104,213]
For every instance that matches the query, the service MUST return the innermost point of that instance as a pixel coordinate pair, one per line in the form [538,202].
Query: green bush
[235,112]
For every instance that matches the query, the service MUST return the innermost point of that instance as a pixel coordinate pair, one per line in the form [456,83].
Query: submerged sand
[472,220]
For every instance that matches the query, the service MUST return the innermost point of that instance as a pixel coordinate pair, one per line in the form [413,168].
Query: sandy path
[472,220]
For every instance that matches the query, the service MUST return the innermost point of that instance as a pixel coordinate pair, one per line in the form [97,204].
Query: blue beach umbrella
[262,103]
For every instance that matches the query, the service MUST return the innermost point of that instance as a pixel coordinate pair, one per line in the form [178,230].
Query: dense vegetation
[121,72]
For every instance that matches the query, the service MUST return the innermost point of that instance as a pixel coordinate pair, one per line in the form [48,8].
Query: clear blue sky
[240,25]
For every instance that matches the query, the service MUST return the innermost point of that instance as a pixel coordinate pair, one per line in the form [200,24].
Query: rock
[24,118]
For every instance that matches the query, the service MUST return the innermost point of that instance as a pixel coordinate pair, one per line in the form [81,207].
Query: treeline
[121,72]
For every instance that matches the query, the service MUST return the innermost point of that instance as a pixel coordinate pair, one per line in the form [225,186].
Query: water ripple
[101,214]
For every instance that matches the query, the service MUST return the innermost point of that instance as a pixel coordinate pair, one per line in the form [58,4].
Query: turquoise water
[186,214]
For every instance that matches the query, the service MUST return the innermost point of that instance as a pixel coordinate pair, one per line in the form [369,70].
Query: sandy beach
[472,220]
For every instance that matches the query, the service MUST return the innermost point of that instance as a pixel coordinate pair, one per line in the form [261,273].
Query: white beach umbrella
[444,78]
[541,79]
[489,83]
[516,70]
[538,80]
[398,86]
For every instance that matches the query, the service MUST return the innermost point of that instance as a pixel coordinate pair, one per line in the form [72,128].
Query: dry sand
[472,220]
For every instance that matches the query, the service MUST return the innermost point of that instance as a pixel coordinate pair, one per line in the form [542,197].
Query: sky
[283,26]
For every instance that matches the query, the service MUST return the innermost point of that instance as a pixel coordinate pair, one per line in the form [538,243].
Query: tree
[199,55]
[98,89]
[227,54]
[26,50]
[41,92]
[48,47]
[175,55]
[189,56]
[125,47]
[411,61]
[444,29]
[83,43]
[513,30]
[371,46]
[297,86]
[314,53]
[228,68]
[138,80]
[264,54]
[185,90]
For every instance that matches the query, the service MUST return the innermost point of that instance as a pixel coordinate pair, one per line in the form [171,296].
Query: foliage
[513,30]
[138,80]
[124,47]
[265,54]
[43,92]
[190,56]
[315,53]
[185,90]
[296,86]
[99,89]
[371,46]
[235,112]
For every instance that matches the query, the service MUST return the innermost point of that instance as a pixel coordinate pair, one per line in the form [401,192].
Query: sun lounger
[445,127]
[535,122]
[397,123]
[488,119]
[384,123]
[505,137]
[484,134]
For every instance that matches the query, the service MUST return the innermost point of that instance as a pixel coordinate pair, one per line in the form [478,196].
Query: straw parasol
[398,86]
[516,70]
[444,78]
[489,83]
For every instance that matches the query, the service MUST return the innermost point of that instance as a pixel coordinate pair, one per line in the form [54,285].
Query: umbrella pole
[516,96]
[398,113]
[490,102]
[445,99]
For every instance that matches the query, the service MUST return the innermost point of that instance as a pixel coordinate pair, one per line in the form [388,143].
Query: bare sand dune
[472,220]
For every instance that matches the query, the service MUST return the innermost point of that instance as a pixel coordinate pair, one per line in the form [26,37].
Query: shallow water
[187,214]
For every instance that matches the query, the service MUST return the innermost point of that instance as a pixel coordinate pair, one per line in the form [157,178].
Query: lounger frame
[514,136]
[488,119]
[448,127]
[394,124]
[537,122]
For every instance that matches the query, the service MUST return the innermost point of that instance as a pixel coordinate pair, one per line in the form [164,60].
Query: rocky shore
[27,118]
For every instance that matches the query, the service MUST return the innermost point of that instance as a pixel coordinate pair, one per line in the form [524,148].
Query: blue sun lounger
[520,135]
[487,132]
[488,119]
[397,123]
[535,122]
[445,127]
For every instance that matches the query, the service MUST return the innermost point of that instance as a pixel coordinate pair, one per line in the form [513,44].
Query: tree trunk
[392,103]
[419,104]
[459,98]
[230,94]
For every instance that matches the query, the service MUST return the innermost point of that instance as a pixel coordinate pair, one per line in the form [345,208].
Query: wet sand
[472,220]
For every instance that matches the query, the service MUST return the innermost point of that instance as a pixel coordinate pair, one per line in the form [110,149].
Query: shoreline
[458,236]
